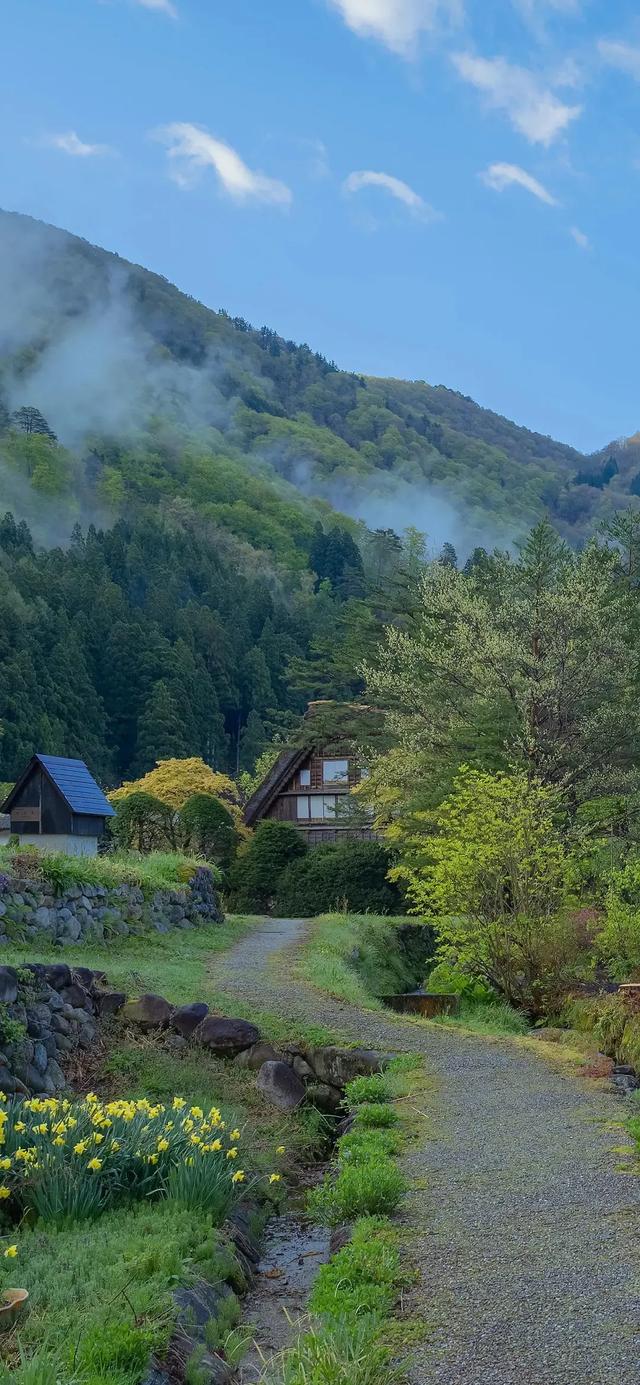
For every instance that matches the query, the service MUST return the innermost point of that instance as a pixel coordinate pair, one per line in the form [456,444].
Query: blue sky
[437,189]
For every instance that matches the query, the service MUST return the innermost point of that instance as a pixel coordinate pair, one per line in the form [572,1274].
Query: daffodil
[163,1145]
[5,1164]
[98,1138]
[178,1103]
[19,1127]
[59,1140]
[280,1149]
[11,1252]
[238,1176]
[80,1147]
[153,1159]
[115,1146]
[235,1135]
[94,1165]
[232,1153]
[274,1177]
[216,1145]
[4,1191]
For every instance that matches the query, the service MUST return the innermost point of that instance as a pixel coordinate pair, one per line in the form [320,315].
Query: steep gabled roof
[74,783]
[282,770]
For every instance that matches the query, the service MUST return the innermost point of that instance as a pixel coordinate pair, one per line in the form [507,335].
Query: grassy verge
[359,957]
[355,1335]
[156,871]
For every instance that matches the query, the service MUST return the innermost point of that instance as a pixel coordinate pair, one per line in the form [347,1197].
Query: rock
[255,1056]
[40,1057]
[302,1068]
[58,975]
[110,1002]
[281,1086]
[337,1066]
[86,977]
[148,1012]
[76,996]
[187,1018]
[175,1043]
[225,1036]
[8,985]
[324,1097]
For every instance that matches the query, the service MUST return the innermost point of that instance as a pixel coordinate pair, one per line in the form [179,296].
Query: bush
[259,866]
[348,876]
[618,941]
[358,1146]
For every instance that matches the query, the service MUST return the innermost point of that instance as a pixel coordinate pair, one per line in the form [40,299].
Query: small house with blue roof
[57,805]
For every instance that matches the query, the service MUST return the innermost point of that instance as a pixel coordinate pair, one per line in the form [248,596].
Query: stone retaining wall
[30,909]
[48,1015]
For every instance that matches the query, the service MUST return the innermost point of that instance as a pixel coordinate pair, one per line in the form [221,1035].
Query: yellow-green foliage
[175,781]
[157,871]
[619,938]
[490,867]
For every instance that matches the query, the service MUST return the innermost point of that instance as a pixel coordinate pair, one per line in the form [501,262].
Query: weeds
[358,1190]
[367,1091]
[375,1116]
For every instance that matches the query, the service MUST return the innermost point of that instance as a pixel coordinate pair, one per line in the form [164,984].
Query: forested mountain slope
[235,495]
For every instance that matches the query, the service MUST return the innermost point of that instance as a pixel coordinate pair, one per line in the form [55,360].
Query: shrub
[451,980]
[350,876]
[207,827]
[347,1353]
[258,867]
[358,1190]
[618,940]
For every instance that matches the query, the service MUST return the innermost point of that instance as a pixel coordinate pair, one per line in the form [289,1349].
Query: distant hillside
[156,396]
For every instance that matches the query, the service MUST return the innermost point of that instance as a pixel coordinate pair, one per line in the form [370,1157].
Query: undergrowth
[360,957]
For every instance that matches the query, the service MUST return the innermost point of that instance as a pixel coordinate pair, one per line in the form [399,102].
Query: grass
[173,965]
[100,1294]
[492,1018]
[157,871]
[358,958]
[353,1302]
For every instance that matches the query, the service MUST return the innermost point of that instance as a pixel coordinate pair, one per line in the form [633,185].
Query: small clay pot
[12,1304]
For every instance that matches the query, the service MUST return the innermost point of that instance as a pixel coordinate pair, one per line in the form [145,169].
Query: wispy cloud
[624,56]
[501,176]
[70,143]
[398,23]
[533,109]
[163,6]
[580,238]
[191,149]
[365,178]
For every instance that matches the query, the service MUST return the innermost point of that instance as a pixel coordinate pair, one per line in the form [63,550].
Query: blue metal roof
[76,785]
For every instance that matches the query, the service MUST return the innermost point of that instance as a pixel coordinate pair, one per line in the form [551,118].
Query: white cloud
[580,238]
[532,108]
[70,143]
[190,148]
[500,176]
[624,56]
[164,6]
[397,23]
[365,178]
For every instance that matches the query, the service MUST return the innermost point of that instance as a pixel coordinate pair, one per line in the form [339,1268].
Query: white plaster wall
[72,846]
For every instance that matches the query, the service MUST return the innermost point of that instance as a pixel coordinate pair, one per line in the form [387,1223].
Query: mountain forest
[205,526]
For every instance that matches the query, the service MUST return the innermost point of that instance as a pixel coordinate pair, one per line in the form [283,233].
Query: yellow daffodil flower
[4,1191]
[232,1153]
[274,1177]
[11,1252]
[162,1145]
[280,1149]
[235,1135]
[94,1165]
[238,1176]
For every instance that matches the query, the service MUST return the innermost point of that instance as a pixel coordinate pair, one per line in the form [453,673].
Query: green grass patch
[367,1091]
[157,871]
[360,957]
[492,1018]
[364,1277]
[365,1189]
[375,1116]
[100,1296]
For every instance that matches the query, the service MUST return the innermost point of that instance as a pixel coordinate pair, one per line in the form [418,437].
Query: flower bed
[68,1160]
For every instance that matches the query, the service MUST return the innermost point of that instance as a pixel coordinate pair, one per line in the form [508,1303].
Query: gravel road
[525,1235]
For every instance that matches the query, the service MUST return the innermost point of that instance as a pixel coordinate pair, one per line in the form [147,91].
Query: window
[323,806]
[302,806]
[305,778]
[336,772]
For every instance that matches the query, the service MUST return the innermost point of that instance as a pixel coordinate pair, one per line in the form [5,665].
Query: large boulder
[224,1036]
[337,1066]
[148,1012]
[281,1086]
[187,1018]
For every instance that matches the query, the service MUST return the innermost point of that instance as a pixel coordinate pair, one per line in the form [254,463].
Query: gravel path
[525,1235]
